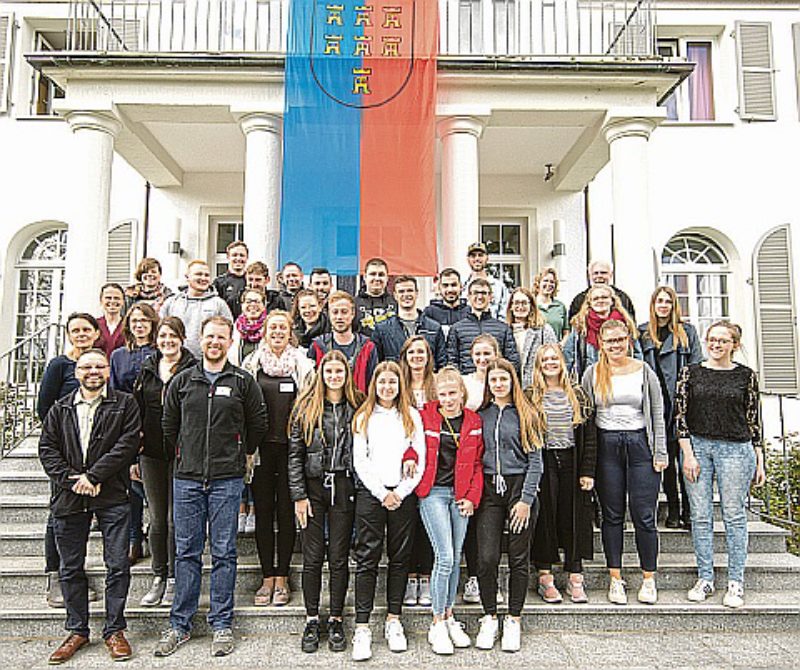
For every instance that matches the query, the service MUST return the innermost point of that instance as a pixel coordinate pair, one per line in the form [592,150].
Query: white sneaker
[395,635]
[424,593]
[700,591]
[487,633]
[511,634]
[648,593]
[456,631]
[472,592]
[499,598]
[412,588]
[250,524]
[734,597]
[362,643]
[242,522]
[616,592]
[439,638]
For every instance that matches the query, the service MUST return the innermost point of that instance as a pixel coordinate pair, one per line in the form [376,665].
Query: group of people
[491,420]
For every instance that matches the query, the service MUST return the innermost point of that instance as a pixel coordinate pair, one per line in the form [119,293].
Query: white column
[460,185]
[634,270]
[262,186]
[87,241]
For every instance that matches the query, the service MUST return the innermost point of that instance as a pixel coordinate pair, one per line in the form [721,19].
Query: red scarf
[594,322]
[251,331]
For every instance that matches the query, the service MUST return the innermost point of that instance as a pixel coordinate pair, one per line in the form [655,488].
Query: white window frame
[217,258]
[681,93]
[519,259]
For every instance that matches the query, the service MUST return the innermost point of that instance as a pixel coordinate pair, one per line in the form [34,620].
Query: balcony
[616,29]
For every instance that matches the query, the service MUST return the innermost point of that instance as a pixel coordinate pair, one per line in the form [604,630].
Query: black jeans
[494,510]
[471,548]
[625,469]
[421,562]
[673,481]
[271,498]
[373,521]
[72,534]
[157,480]
[339,517]
[51,558]
[555,526]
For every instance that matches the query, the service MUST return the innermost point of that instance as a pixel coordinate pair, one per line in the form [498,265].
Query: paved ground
[637,650]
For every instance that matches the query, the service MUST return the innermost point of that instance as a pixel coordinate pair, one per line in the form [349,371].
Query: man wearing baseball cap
[478,259]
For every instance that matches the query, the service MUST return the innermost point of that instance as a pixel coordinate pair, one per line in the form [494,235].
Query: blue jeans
[195,506]
[625,470]
[446,529]
[733,464]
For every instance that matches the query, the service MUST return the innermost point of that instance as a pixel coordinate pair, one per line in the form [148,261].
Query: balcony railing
[521,28]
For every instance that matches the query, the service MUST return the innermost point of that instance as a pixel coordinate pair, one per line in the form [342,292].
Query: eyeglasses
[520,303]
[139,321]
[615,340]
[719,340]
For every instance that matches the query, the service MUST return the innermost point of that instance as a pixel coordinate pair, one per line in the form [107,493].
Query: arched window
[40,289]
[697,268]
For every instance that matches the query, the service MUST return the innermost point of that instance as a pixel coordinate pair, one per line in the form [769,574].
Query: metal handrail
[21,370]
[518,28]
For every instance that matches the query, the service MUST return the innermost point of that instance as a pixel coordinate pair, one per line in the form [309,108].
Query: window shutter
[756,72]
[777,327]
[118,268]
[6,57]
[796,35]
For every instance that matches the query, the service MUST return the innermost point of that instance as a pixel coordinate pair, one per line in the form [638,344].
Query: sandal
[281,596]
[263,596]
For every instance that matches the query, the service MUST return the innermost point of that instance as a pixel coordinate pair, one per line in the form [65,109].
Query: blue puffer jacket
[390,336]
[463,334]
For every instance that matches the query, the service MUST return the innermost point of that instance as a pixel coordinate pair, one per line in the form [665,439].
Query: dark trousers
[373,521]
[421,562]
[471,548]
[339,516]
[625,469]
[157,480]
[136,498]
[52,561]
[72,534]
[494,510]
[673,481]
[555,526]
[271,498]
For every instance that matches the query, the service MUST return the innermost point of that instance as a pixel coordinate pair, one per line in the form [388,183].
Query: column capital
[470,125]
[616,126]
[260,121]
[105,122]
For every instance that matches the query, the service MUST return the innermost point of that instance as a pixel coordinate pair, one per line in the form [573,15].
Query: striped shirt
[558,409]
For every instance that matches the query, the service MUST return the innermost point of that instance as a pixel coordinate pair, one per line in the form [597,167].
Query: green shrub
[778,490]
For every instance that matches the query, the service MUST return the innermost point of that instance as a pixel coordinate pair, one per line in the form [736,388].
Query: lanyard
[455,435]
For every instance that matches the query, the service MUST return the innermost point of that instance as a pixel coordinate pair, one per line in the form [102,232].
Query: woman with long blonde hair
[668,346]
[416,362]
[530,329]
[322,489]
[388,458]
[582,346]
[566,505]
[513,432]
[631,454]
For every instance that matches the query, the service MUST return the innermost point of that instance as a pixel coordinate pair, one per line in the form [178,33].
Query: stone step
[25,575]
[28,539]
[770,611]
[33,509]
[24,483]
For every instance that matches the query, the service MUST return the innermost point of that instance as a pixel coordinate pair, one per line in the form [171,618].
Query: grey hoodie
[193,311]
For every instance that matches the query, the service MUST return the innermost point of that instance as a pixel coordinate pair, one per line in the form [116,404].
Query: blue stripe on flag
[320,206]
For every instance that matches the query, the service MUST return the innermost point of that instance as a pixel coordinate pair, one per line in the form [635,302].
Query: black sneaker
[310,641]
[673,522]
[336,637]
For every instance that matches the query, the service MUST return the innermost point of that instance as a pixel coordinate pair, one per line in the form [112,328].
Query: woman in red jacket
[449,492]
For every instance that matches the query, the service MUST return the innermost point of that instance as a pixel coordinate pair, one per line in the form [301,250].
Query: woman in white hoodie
[389,458]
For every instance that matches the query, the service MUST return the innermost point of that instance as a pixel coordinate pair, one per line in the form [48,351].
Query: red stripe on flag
[398,213]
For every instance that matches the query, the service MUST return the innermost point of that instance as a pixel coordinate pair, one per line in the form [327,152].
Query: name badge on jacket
[223,391]
[287,387]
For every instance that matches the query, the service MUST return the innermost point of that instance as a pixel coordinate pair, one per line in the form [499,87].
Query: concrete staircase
[772,580]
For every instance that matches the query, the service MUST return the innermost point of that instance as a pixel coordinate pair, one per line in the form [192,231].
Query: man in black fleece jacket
[451,308]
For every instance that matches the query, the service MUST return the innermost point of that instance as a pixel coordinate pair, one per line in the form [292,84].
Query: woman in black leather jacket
[321,485]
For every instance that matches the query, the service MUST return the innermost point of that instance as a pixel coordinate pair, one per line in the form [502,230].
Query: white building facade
[662,136]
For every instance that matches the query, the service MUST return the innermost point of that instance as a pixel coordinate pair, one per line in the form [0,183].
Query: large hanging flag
[359,135]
